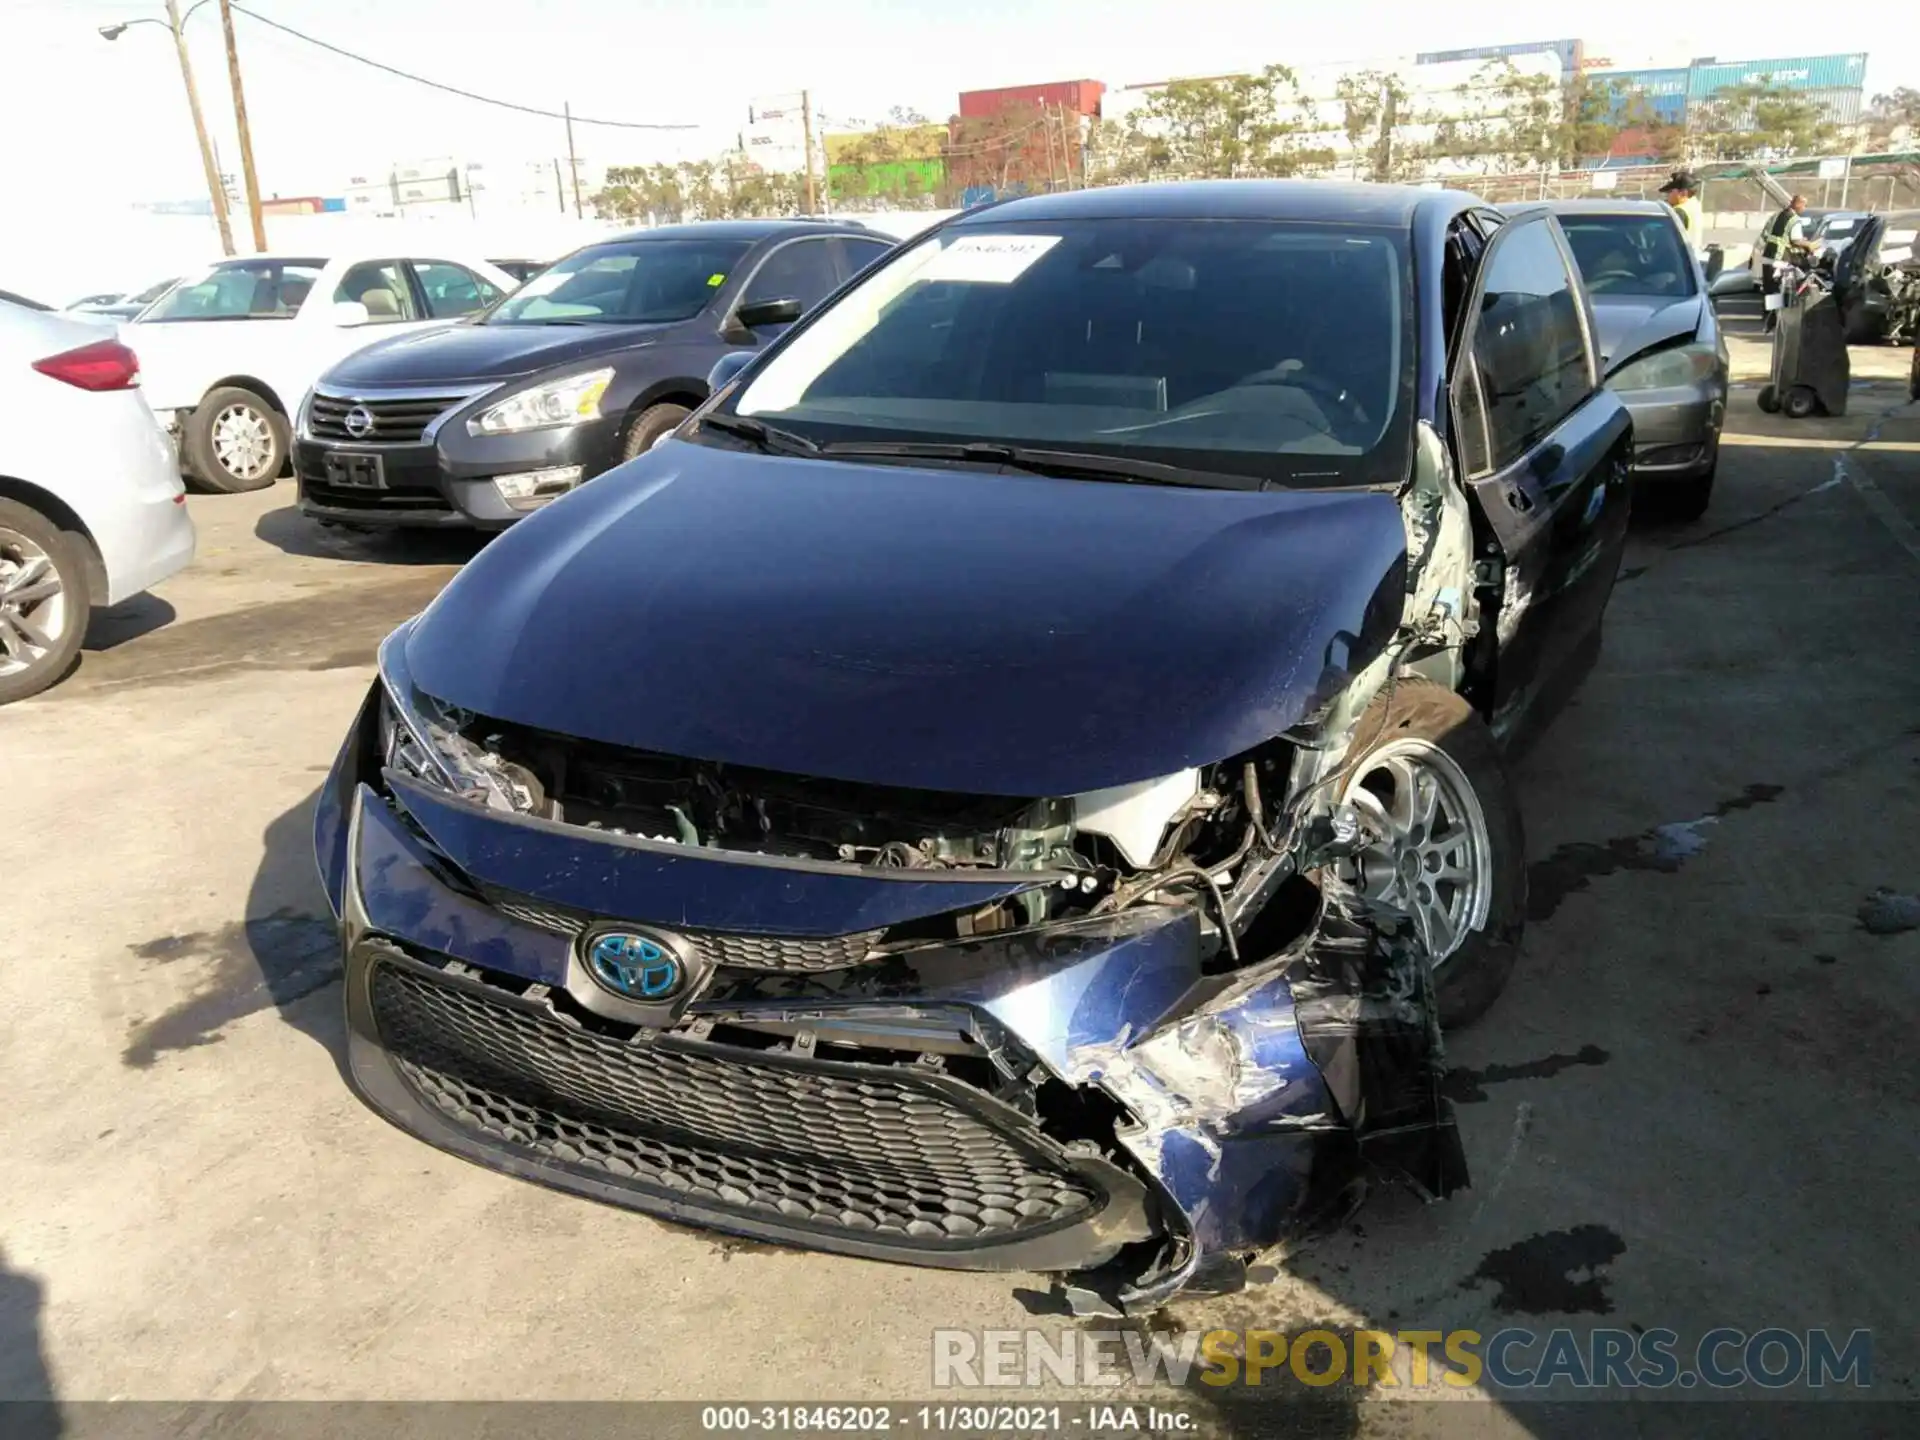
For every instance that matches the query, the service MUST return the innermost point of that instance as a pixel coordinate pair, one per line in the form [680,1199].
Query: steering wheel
[1596,282]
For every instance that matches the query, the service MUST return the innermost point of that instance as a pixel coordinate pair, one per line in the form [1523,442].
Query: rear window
[1639,255]
[256,289]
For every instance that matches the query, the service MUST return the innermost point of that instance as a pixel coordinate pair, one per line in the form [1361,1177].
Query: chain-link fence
[1880,185]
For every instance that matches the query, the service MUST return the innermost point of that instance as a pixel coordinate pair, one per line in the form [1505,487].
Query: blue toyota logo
[634,966]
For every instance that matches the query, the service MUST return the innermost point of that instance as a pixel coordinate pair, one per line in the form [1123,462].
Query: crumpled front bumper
[1078,1097]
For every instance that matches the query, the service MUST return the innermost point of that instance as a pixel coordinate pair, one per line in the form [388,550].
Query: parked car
[584,366]
[1015,780]
[91,506]
[1660,342]
[114,306]
[1885,244]
[229,352]
[520,270]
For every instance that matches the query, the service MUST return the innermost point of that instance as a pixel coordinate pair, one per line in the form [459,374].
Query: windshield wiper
[1067,464]
[767,437]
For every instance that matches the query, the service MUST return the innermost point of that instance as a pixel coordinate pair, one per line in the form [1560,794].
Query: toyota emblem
[358,420]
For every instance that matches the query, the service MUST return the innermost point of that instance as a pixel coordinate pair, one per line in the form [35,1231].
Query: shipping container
[1082,97]
[1842,106]
[1795,72]
[1653,84]
[1568,52]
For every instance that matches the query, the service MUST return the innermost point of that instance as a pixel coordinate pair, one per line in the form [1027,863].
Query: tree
[1758,119]
[1374,110]
[1230,128]
[998,152]
[898,162]
[697,190]
[1893,117]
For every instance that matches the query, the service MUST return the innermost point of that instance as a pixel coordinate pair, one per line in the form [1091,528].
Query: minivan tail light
[103,365]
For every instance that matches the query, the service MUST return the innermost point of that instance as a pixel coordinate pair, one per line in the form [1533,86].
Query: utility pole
[573,162]
[806,139]
[1046,133]
[246,135]
[559,186]
[215,191]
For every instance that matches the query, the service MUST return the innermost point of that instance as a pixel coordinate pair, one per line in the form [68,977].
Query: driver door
[1543,448]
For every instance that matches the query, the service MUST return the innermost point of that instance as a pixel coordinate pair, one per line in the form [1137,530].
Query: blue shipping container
[1801,72]
[1662,91]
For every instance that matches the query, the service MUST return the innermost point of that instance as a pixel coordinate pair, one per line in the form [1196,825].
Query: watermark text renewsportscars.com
[1515,1358]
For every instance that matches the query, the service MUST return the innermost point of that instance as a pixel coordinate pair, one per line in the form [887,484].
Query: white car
[91,506]
[111,306]
[229,353]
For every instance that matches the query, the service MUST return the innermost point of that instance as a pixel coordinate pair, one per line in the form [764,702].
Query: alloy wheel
[243,442]
[1431,857]
[34,611]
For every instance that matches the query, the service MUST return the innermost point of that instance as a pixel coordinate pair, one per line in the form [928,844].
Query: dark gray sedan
[1660,341]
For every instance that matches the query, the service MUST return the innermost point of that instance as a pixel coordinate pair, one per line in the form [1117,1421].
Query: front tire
[235,441]
[44,601]
[1450,850]
[1767,400]
[650,427]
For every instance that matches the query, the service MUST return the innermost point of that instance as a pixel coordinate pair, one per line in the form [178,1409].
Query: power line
[454,89]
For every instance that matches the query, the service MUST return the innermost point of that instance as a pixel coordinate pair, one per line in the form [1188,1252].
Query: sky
[93,125]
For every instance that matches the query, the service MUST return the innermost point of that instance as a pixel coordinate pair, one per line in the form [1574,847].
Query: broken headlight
[424,740]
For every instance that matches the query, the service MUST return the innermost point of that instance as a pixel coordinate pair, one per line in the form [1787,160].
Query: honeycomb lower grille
[744,952]
[819,1146]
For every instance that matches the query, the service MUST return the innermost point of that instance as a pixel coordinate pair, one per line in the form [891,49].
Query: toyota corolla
[1015,780]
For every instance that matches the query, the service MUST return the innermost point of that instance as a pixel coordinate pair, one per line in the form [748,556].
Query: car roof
[748,230]
[1306,200]
[1589,207]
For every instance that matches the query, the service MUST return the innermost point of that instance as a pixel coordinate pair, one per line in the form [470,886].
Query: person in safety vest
[1784,239]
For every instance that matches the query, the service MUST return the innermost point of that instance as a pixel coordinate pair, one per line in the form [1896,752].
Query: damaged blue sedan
[1015,781]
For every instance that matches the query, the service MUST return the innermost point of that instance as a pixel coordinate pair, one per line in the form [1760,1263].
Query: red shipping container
[1078,97]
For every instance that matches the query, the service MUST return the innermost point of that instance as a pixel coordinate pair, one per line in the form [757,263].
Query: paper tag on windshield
[989,259]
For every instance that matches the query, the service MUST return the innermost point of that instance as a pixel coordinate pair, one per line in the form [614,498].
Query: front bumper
[1676,431]
[1081,1097]
[446,481]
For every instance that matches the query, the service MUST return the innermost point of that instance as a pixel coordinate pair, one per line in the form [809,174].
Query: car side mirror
[726,367]
[768,312]
[349,312]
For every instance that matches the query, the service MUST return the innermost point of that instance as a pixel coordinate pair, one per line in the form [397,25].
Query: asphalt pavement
[1695,1106]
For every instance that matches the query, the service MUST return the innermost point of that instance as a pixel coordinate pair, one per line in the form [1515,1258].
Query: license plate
[356,472]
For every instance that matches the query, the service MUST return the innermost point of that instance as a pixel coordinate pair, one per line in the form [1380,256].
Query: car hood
[946,629]
[1629,324]
[484,352]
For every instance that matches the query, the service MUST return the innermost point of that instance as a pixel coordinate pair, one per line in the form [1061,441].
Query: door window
[857,254]
[1530,352]
[800,271]
[452,290]
[381,286]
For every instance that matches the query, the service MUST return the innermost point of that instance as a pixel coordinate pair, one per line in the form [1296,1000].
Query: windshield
[628,282]
[257,289]
[1263,348]
[1630,255]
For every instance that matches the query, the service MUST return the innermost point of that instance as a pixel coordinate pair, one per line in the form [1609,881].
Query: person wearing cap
[1682,193]
[1784,240]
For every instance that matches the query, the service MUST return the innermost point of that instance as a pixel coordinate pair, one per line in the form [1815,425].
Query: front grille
[741,952]
[395,422]
[815,1145]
